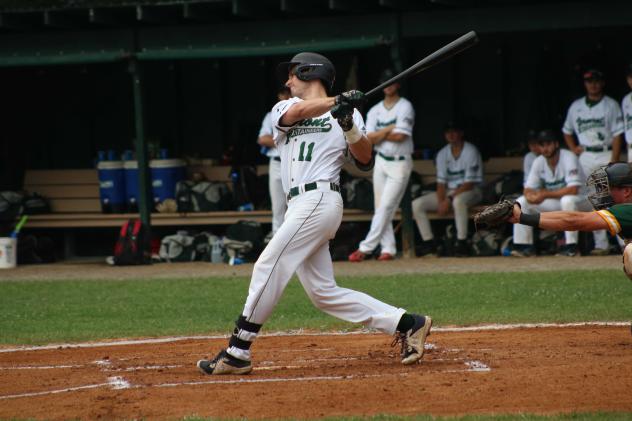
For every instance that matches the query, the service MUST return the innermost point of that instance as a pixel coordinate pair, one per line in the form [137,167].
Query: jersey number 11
[308,157]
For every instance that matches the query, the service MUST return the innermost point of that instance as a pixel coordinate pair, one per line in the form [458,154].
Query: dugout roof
[45,32]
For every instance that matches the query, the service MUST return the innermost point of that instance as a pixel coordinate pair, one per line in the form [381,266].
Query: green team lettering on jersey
[309,125]
[623,213]
[584,124]
[382,124]
[554,185]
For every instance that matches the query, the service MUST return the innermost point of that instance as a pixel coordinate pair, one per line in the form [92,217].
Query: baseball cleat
[413,341]
[385,256]
[357,256]
[224,363]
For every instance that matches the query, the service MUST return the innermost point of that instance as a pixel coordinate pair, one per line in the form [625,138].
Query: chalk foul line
[302,333]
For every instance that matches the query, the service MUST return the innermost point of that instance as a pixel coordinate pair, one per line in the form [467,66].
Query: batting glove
[354,98]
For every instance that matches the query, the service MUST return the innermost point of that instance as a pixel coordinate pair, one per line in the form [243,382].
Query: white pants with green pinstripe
[301,246]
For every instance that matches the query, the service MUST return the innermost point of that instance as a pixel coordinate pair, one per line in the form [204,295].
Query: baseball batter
[555,182]
[459,176]
[626,107]
[390,129]
[597,122]
[275,187]
[316,133]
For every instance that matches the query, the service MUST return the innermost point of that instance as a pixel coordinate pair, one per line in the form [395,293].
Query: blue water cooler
[112,186]
[165,174]
[131,185]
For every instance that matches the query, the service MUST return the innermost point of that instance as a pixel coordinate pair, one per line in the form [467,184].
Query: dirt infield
[536,370]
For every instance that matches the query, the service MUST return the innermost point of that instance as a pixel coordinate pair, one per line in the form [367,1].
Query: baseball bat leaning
[460,44]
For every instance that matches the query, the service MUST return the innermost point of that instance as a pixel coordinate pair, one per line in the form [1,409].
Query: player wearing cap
[555,182]
[597,122]
[626,107]
[390,128]
[275,187]
[459,176]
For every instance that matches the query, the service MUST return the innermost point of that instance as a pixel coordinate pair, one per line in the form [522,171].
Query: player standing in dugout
[390,128]
[597,122]
[316,134]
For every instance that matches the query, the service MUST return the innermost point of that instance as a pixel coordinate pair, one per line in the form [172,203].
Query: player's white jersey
[595,125]
[567,173]
[267,128]
[626,107]
[527,163]
[313,149]
[467,168]
[402,115]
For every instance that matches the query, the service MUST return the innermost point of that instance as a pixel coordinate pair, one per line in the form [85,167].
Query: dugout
[71,72]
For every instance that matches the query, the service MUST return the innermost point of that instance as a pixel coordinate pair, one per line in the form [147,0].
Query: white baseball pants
[523,234]
[390,180]
[430,203]
[277,195]
[301,245]
[590,161]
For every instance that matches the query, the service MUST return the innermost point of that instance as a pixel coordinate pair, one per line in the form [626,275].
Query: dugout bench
[74,199]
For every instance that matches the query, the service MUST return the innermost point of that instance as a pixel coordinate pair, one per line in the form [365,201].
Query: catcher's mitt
[495,215]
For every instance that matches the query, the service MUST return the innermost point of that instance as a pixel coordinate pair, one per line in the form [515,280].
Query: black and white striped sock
[242,338]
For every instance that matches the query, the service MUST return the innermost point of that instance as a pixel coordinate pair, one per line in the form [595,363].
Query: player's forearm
[307,109]
[571,221]
[570,141]
[266,140]
[378,135]
[441,192]
[463,188]
[362,150]
[396,137]
[617,143]
[556,194]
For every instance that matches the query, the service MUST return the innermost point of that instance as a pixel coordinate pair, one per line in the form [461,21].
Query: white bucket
[8,252]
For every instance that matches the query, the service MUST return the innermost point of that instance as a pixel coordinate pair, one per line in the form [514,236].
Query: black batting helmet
[309,66]
[615,174]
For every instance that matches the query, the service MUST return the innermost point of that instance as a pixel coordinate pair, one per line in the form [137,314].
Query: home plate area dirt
[533,370]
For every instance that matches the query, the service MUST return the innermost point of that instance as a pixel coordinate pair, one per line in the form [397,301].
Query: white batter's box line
[119,383]
[301,333]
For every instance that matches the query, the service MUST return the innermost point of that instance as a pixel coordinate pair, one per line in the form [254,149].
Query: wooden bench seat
[74,198]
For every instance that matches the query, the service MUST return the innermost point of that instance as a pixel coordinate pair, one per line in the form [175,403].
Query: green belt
[295,191]
[276,158]
[392,158]
[597,148]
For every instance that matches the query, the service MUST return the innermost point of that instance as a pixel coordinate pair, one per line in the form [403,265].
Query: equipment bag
[203,196]
[11,206]
[34,204]
[133,244]
[358,193]
[243,232]
[485,243]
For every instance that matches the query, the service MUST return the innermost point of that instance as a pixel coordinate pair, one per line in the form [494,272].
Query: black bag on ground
[203,196]
[485,243]
[33,250]
[133,244]
[346,241]
[357,193]
[246,231]
[447,245]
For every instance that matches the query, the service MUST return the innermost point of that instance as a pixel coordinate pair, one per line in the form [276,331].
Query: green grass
[37,312]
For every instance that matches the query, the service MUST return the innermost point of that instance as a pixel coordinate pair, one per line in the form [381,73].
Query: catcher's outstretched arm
[572,221]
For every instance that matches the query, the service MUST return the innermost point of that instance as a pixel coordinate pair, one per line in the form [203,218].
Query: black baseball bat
[443,53]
